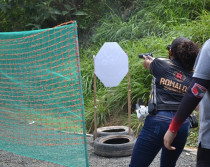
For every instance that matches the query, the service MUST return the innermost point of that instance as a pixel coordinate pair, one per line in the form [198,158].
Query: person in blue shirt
[199,91]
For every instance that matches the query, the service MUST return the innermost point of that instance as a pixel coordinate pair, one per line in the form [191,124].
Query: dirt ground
[8,159]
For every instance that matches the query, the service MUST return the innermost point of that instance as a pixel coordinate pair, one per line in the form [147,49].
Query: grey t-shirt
[202,70]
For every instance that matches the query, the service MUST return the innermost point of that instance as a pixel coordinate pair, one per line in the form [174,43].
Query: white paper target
[111,64]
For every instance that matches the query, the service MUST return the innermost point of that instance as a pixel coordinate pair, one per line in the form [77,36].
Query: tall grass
[147,18]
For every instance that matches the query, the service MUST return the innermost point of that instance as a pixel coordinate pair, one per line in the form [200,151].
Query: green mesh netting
[41,101]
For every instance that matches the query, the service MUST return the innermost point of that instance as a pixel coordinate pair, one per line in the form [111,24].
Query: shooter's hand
[168,139]
[147,61]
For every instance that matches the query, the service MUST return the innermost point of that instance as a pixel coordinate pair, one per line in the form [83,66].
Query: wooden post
[129,103]
[95,105]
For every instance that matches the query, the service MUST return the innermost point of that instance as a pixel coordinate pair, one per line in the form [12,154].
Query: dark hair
[185,51]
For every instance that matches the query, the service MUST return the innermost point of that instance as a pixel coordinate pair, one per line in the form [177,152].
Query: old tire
[114,145]
[112,130]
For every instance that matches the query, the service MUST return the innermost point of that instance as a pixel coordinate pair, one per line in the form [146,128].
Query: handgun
[145,54]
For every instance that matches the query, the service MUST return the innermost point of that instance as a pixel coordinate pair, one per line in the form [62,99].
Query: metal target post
[95,104]
[129,103]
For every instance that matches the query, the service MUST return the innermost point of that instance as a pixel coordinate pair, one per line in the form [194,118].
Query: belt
[167,107]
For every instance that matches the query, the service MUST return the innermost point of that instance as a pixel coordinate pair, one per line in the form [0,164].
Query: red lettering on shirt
[179,76]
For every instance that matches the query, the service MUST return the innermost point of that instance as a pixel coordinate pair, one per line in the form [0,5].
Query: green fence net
[41,101]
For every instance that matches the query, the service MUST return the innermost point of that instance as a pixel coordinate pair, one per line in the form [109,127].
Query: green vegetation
[138,26]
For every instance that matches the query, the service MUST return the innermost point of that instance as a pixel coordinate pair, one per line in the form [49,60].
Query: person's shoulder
[205,50]
[160,63]
[207,42]
[161,60]
[206,45]
[159,66]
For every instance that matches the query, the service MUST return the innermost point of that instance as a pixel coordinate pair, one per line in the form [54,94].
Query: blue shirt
[202,71]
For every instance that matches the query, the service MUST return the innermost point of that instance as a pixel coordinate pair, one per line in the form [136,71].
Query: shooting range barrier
[41,100]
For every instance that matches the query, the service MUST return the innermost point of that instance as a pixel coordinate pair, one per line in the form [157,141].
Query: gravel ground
[8,159]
